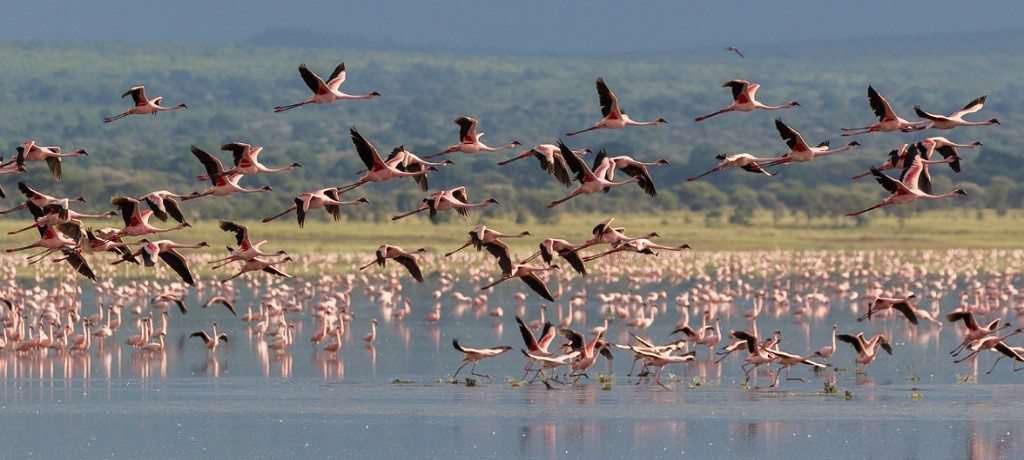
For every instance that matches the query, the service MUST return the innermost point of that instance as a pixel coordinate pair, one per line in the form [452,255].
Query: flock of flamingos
[37,319]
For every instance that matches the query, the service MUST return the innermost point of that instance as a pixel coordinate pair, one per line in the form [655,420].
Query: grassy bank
[945,229]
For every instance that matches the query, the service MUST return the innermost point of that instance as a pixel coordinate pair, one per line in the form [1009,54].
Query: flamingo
[324,92]
[166,250]
[406,161]
[907,190]
[256,264]
[143,105]
[827,351]
[377,170]
[799,150]
[734,50]
[164,204]
[630,167]
[211,340]
[550,158]
[38,199]
[887,122]
[613,115]
[456,199]
[223,184]
[787,361]
[866,349]
[30,151]
[246,248]
[975,331]
[115,246]
[371,336]
[662,360]
[529,276]
[407,259]
[219,300]
[637,245]
[327,198]
[590,181]
[956,119]
[246,161]
[469,140]
[897,158]
[989,343]
[481,235]
[744,100]
[947,149]
[136,220]
[564,249]
[475,355]
[744,161]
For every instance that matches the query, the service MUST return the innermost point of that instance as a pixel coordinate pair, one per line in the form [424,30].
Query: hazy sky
[590,26]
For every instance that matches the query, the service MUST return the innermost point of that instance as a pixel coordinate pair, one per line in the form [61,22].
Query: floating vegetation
[913,377]
[470,382]
[515,382]
[400,381]
[696,382]
[830,388]
[849,395]
[916,395]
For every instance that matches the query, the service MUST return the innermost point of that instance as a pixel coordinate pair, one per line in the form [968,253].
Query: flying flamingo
[136,220]
[529,276]
[164,204]
[256,264]
[475,355]
[947,149]
[246,160]
[975,331]
[613,115]
[799,150]
[481,235]
[377,170]
[210,341]
[564,249]
[956,119]
[246,248]
[469,140]
[407,259]
[327,198]
[744,161]
[324,92]
[406,161]
[38,199]
[887,122]
[897,158]
[590,181]
[630,167]
[456,199]
[661,360]
[165,249]
[30,151]
[550,158]
[744,100]
[223,185]
[866,349]
[907,190]
[143,105]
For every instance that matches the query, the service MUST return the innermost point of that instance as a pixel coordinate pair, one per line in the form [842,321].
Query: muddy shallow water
[394,398]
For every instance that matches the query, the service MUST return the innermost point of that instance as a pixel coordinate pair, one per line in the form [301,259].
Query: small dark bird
[734,50]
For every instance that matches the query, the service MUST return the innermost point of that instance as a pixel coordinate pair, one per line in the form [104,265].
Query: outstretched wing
[538,286]
[313,81]
[609,102]
[793,139]
[879,105]
[409,262]
[467,129]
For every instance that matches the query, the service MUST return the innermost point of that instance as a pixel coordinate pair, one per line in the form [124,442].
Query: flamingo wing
[337,77]
[367,152]
[409,262]
[972,106]
[210,162]
[240,231]
[128,206]
[177,263]
[538,286]
[880,105]
[792,138]
[138,94]
[467,129]
[313,81]
[609,102]
[739,88]
[238,150]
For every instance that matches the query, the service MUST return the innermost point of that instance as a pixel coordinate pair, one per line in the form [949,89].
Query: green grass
[947,229]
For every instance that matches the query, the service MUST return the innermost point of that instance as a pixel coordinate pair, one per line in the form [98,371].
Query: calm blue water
[246,402]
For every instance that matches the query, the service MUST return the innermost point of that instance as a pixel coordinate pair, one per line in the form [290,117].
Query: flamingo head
[515,142]
[447,162]
[660,121]
[976,144]
[375,94]
[960,191]
[363,200]
[853,144]
[204,244]
[182,105]
[793,104]
[993,121]
[492,201]
[79,198]
[295,165]
[81,152]
[267,188]
[661,162]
